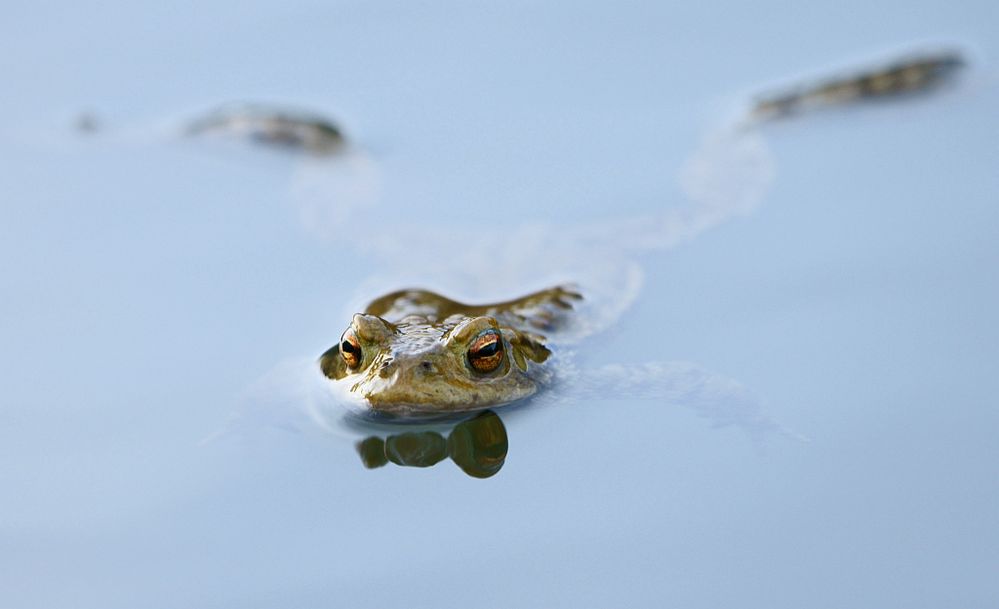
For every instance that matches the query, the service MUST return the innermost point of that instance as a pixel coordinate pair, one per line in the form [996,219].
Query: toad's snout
[416,369]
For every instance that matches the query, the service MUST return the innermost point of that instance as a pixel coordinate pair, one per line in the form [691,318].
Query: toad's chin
[409,402]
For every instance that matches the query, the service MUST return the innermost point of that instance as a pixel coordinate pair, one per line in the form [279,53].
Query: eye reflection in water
[477,445]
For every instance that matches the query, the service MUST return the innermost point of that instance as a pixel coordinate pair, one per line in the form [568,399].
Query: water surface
[155,287]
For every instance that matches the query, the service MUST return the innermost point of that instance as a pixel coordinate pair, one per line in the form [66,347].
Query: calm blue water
[154,286]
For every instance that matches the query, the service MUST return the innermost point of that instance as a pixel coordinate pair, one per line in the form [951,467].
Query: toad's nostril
[386,369]
[427,367]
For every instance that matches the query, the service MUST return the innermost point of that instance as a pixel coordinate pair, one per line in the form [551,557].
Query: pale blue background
[147,282]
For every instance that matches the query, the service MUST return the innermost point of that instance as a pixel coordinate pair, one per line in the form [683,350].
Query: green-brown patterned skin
[417,352]
[289,129]
[908,75]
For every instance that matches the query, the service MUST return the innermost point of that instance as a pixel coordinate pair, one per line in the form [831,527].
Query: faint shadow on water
[296,398]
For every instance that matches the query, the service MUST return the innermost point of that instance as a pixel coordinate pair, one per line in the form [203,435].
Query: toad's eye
[486,352]
[350,349]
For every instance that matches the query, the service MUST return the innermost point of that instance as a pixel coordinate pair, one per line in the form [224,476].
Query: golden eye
[350,349]
[486,352]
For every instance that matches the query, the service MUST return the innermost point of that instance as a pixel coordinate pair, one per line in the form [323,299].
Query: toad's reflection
[478,446]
